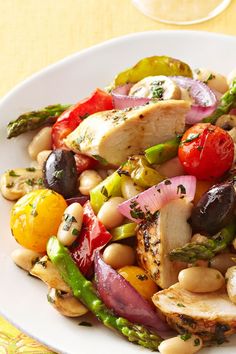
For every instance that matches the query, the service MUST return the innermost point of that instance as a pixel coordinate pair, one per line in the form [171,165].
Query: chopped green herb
[58,174]
[210,77]
[105,192]
[157,89]
[34,213]
[186,336]
[180,305]
[69,219]
[31,169]
[196,342]
[40,182]
[142,277]
[75,232]
[181,189]
[191,137]
[84,116]
[100,159]
[167,182]
[85,323]
[30,182]
[12,173]
[10,185]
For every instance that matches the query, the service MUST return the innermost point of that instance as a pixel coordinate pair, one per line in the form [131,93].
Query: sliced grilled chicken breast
[156,239]
[212,316]
[114,135]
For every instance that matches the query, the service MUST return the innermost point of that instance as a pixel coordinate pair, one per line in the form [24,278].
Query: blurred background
[35,33]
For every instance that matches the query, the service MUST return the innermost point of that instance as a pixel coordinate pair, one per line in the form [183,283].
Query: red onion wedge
[122,100]
[120,296]
[82,199]
[205,100]
[146,204]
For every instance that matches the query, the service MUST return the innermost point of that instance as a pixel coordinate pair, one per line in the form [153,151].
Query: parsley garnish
[85,323]
[69,219]
[75,232]
[186,336]
[191,137]
[180,305]
[13,174]
[58,174]
[31,169]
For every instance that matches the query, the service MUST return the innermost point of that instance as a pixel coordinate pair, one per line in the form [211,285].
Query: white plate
[22,298]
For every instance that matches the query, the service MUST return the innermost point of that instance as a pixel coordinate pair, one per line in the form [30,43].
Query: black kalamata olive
[215,209]
[59,173]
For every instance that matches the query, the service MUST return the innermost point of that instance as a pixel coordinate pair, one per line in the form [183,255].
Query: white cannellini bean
[118,255]
[231,283]
[71,224]
[41,141]
[214,80]
[199,238]
[201,279]
[109,214]
[231,76]
[88,180]
[128,188]
[25,258]
[181,345]
[42,157]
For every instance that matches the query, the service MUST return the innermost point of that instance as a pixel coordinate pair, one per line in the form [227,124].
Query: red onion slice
[122,100]
[82,199]
[148,202]
[119,295]
[205,100]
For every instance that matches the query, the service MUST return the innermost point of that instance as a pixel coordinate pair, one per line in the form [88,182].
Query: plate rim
[80,53]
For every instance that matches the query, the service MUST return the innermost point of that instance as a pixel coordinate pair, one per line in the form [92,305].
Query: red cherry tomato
[84,162]
[206,151]
[70,119]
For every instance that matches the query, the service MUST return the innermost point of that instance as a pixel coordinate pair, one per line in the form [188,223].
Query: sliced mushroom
[48,273]
[66,303]
[20,181]
[226,121]
[156,87]
[25,258]
[156,239]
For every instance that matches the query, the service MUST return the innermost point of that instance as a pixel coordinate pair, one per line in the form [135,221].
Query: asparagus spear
[163,152]
[194,251]
[35,119]
[83,290]
[227,102]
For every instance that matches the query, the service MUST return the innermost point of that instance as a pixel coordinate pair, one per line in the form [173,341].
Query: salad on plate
[128,208]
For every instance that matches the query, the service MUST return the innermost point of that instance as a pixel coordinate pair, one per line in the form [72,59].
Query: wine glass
[181,12]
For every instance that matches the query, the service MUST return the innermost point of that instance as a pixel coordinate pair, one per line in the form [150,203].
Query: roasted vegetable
[59,173]
[93,236]
[163,152]
[84,291]
[211,316]
[122,298]
[227,102]
[123,231]
[35,119]
[141,172]
[191,252]
[65,303]
[72,117]
[20,181]
[109,187]
[35,217]
[214,210]
[152,66]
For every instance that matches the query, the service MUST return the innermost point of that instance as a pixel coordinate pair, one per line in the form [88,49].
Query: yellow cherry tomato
[140,280]
[36,217]
[201,188]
